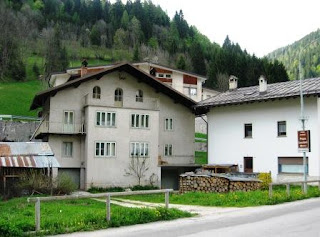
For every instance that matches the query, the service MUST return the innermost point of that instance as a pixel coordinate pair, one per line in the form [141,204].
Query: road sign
[304,141]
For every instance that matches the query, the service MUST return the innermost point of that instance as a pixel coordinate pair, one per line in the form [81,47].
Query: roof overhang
[26,161]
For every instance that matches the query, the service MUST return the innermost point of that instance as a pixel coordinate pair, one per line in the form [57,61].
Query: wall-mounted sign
[304,141]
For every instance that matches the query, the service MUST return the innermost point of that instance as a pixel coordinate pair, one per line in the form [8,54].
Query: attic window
[96,92]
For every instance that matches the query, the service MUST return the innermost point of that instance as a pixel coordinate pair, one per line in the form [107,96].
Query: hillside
[39,37]
[309,47]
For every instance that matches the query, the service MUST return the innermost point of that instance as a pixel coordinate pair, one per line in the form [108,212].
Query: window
[139,96]
[282,128]
[192,91]
[168,150]
[96,92]
[107,119]
[168,125]
[139,120]
[291,165]
[160,75]
[105,149]
[118,94]
[68,122]
[67,149]
[139,149]
[248,130]
[168,75]
[163,75]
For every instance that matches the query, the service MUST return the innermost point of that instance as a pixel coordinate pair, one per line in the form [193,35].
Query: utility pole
[303,119]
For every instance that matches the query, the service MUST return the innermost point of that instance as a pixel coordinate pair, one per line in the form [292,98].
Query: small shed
[18,157]
[221,168]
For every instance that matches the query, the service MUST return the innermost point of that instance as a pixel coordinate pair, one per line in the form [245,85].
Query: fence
[292,182]
[108,196]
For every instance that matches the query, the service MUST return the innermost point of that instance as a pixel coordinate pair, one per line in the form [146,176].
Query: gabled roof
[251,94]
[178,97]
[172,69]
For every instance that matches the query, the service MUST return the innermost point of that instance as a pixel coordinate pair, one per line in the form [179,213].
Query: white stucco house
[96,123]
[256,127]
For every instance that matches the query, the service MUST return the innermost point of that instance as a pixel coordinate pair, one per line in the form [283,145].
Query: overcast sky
[260,26]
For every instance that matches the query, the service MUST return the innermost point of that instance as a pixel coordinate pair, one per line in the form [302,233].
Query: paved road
[301,218]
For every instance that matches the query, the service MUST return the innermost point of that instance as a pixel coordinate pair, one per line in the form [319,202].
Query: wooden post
[319,185]
[288,189]
[37,214]
[270,190]
[108,207]
[302,187]
[166,197]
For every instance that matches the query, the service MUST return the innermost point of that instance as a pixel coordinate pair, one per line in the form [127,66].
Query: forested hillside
[43,36]
[309,48]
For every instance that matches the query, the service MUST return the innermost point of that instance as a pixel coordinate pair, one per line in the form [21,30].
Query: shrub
[146,187]
[105,190]
[266,180]
[64,184]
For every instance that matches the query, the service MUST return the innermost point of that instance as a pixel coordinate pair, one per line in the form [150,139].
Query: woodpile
[244,186]
[190,182]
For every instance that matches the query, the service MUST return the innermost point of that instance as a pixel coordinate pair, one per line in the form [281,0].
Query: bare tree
[137,167]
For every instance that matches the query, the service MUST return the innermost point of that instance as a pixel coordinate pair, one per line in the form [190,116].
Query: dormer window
[139,96]
[96,93]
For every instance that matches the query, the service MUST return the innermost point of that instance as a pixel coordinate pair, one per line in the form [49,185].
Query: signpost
[304,141]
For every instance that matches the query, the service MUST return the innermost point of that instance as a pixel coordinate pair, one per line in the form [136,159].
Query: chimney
[83,71]
[263,85]
[233,82]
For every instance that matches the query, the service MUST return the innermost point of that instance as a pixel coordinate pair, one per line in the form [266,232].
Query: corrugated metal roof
[29,161]
[276,90]
[27,155]
[25,148]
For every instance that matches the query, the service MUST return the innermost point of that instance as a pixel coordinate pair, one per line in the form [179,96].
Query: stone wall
[190,182]
[17,131]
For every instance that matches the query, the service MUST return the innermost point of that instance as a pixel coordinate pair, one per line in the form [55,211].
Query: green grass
[16,97]
[201,157]
[235,199]
[201,135]
[17,216]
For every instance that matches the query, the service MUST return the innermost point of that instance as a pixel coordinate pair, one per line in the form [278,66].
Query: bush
[64,184]
[266,180]
[146,187]
[105,190]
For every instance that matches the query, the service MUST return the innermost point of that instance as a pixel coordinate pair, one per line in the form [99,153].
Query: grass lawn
[16,97]
[201,157]
[201,135]
[17,216]
[235,199]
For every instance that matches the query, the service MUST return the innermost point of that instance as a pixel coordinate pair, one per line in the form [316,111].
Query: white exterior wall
[111,171]
[177,81]
[228,145]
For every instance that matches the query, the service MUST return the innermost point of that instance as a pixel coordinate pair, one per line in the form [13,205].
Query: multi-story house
[97,124]
[257,127]
[188,83]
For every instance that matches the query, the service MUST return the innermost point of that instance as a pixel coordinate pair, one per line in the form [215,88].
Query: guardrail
[291,182]
[108,196]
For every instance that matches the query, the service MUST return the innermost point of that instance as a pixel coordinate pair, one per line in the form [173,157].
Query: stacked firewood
[244,186]
[214,183]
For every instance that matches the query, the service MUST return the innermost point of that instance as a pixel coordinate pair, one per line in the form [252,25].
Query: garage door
[74,174]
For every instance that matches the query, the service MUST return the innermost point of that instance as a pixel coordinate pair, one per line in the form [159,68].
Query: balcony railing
[127,102]
[47,127]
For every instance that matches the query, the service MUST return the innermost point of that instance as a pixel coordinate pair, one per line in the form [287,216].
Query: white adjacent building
[256,127]
[97,122]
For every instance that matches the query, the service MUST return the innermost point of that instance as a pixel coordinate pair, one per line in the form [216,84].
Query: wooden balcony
[47,127]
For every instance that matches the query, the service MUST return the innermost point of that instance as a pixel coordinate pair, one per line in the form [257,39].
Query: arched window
[96,92]
[139,96]
[118,94]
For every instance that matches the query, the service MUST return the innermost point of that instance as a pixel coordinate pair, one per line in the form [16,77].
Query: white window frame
[163,75]
[168,124]
[105,149]
[140,121]
[139,149]
[168,150]
[102,119]
[67,149]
